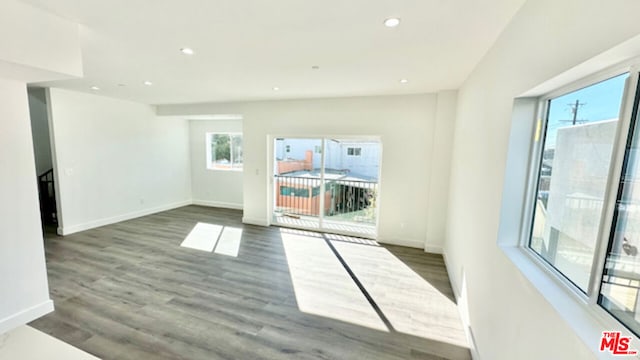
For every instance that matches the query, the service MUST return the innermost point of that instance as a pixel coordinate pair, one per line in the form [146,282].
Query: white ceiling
[245,48]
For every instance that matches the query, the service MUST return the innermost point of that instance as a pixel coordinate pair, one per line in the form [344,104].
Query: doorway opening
[43,150]
[327,184]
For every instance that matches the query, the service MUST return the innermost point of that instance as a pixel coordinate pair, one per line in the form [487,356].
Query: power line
[574,109]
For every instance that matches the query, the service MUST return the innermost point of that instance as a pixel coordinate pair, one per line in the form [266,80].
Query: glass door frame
[271,199]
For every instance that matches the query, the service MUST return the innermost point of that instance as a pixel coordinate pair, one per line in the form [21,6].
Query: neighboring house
[299,186]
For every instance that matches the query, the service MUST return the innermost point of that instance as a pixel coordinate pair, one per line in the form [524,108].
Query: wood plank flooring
[129,291]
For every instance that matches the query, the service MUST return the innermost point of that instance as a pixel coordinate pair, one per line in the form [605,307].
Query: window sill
[588,321]
[226,170]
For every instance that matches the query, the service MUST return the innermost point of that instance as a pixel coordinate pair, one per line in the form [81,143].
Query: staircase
[47,191]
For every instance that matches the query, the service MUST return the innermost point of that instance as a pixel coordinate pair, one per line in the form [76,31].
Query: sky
[600,101]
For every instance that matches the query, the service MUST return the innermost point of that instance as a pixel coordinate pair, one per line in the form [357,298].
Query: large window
[585,219]
[224,151]
[621,278]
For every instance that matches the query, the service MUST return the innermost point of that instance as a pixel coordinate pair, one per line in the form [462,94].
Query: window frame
[354,151]
[628,108]
[209,156]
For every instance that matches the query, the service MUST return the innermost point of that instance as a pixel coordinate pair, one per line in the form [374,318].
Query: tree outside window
[224,151]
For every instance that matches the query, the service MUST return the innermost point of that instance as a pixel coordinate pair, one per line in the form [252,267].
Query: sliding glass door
[327,184]
[297,179]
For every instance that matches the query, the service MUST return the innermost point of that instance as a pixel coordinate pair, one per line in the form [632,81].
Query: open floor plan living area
[214,179]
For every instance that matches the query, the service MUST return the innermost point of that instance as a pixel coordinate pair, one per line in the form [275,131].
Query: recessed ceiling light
[275,88]
[392,22]
[315,67]
[95,88]
[148,83]
[121,85]
[404,81]
[187,51]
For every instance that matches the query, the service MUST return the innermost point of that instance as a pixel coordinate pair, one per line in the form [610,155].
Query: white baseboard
[468,331]
[25,316]
[433,249]
[67,230]
[412,243]
[218,204]
[454,285]
[253,221]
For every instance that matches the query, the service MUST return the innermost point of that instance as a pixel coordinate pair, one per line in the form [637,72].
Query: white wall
[48,51]
[509,317]
[213,187]
[24,293]
[406,125]
[115,160]
[40,129]
[37,45]
[440,171]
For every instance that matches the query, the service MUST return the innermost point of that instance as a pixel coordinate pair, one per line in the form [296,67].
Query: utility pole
[574,109]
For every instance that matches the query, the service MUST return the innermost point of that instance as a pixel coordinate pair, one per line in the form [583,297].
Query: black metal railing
[47,191]
[344,199]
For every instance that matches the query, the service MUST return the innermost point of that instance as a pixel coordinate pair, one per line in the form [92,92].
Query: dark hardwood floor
[129,291]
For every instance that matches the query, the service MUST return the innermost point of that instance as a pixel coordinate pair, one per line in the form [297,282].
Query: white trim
[434,249]
[328,231]
[620,56]
[587,321]
[412,243]
[254,221]
[207,117]
[209,156]
[54,162]
[468,331]
[232,170]
[579,310]
[67,230]
[616,167]
[200,117]
[218,204]
[25,316]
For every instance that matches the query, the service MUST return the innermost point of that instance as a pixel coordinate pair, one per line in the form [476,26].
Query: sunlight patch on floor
[222,240]
[411,304]
[321,284]
[203,237]
[311,222]
[229,243]
[351,239]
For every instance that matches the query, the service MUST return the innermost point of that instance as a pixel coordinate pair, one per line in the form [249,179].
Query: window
[621,277]
[585,216]
[224,151]
[354,151]
[575,163]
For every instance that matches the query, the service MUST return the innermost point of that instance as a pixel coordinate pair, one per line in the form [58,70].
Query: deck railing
[344,199]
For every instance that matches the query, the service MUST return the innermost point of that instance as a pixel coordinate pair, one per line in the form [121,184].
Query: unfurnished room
[408,179]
